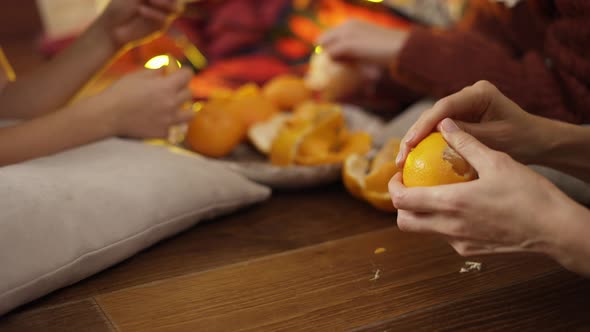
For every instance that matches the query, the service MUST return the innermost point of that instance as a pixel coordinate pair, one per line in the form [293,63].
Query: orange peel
[316,134]
[262,134]
[368,179]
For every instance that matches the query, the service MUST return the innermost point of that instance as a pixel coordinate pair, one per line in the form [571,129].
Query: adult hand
[509,208]
[484,112]
[362,42]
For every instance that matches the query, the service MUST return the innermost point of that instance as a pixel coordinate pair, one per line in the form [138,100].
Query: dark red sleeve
[441,63]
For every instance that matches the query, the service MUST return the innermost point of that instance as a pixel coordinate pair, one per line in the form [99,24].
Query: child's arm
[53,132]
[123,109]
[54,84]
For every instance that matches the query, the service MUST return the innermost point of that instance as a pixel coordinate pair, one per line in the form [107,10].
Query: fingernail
[449,125]
[399,157]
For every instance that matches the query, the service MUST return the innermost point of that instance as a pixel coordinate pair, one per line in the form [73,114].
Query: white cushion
[68,216]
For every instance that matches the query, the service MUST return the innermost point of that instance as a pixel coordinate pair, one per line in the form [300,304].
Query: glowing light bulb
[159,61]
[197,106]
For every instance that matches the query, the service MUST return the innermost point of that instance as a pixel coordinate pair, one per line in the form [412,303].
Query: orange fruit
[215,132]
[248,89]
[433,162]
[250,106]
[221,93]
[368,180]
[286,91]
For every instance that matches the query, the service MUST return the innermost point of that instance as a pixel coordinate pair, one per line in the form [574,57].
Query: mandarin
[250,106]
[214,132]
[433,162]
[286,91]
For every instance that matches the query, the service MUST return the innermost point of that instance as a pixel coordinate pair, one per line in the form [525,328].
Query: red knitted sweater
[538,54]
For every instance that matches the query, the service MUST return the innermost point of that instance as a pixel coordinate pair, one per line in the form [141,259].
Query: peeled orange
[433,162]
[286,91]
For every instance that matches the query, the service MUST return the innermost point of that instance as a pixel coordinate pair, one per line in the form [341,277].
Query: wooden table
[306,261]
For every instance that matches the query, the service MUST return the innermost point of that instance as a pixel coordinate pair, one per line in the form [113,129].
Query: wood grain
[327,287]
[287,221]
[76,316]
[554,302]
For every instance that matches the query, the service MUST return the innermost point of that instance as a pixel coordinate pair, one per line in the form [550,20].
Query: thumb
[473,129]
[472,150]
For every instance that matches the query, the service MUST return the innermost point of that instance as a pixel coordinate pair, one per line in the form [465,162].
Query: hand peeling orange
[433,162]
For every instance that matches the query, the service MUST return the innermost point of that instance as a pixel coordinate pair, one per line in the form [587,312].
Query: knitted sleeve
[441,63]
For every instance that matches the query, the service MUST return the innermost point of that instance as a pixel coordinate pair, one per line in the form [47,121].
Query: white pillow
[68,216]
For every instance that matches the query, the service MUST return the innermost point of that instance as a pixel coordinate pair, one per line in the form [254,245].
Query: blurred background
[227,43]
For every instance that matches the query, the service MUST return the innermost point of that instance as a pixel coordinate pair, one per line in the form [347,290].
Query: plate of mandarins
[281,136]
[278,135]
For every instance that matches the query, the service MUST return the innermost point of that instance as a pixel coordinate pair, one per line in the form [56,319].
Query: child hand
[146,104]
[128,21]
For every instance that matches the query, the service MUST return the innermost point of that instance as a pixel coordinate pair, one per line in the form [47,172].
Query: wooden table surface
[306,261]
